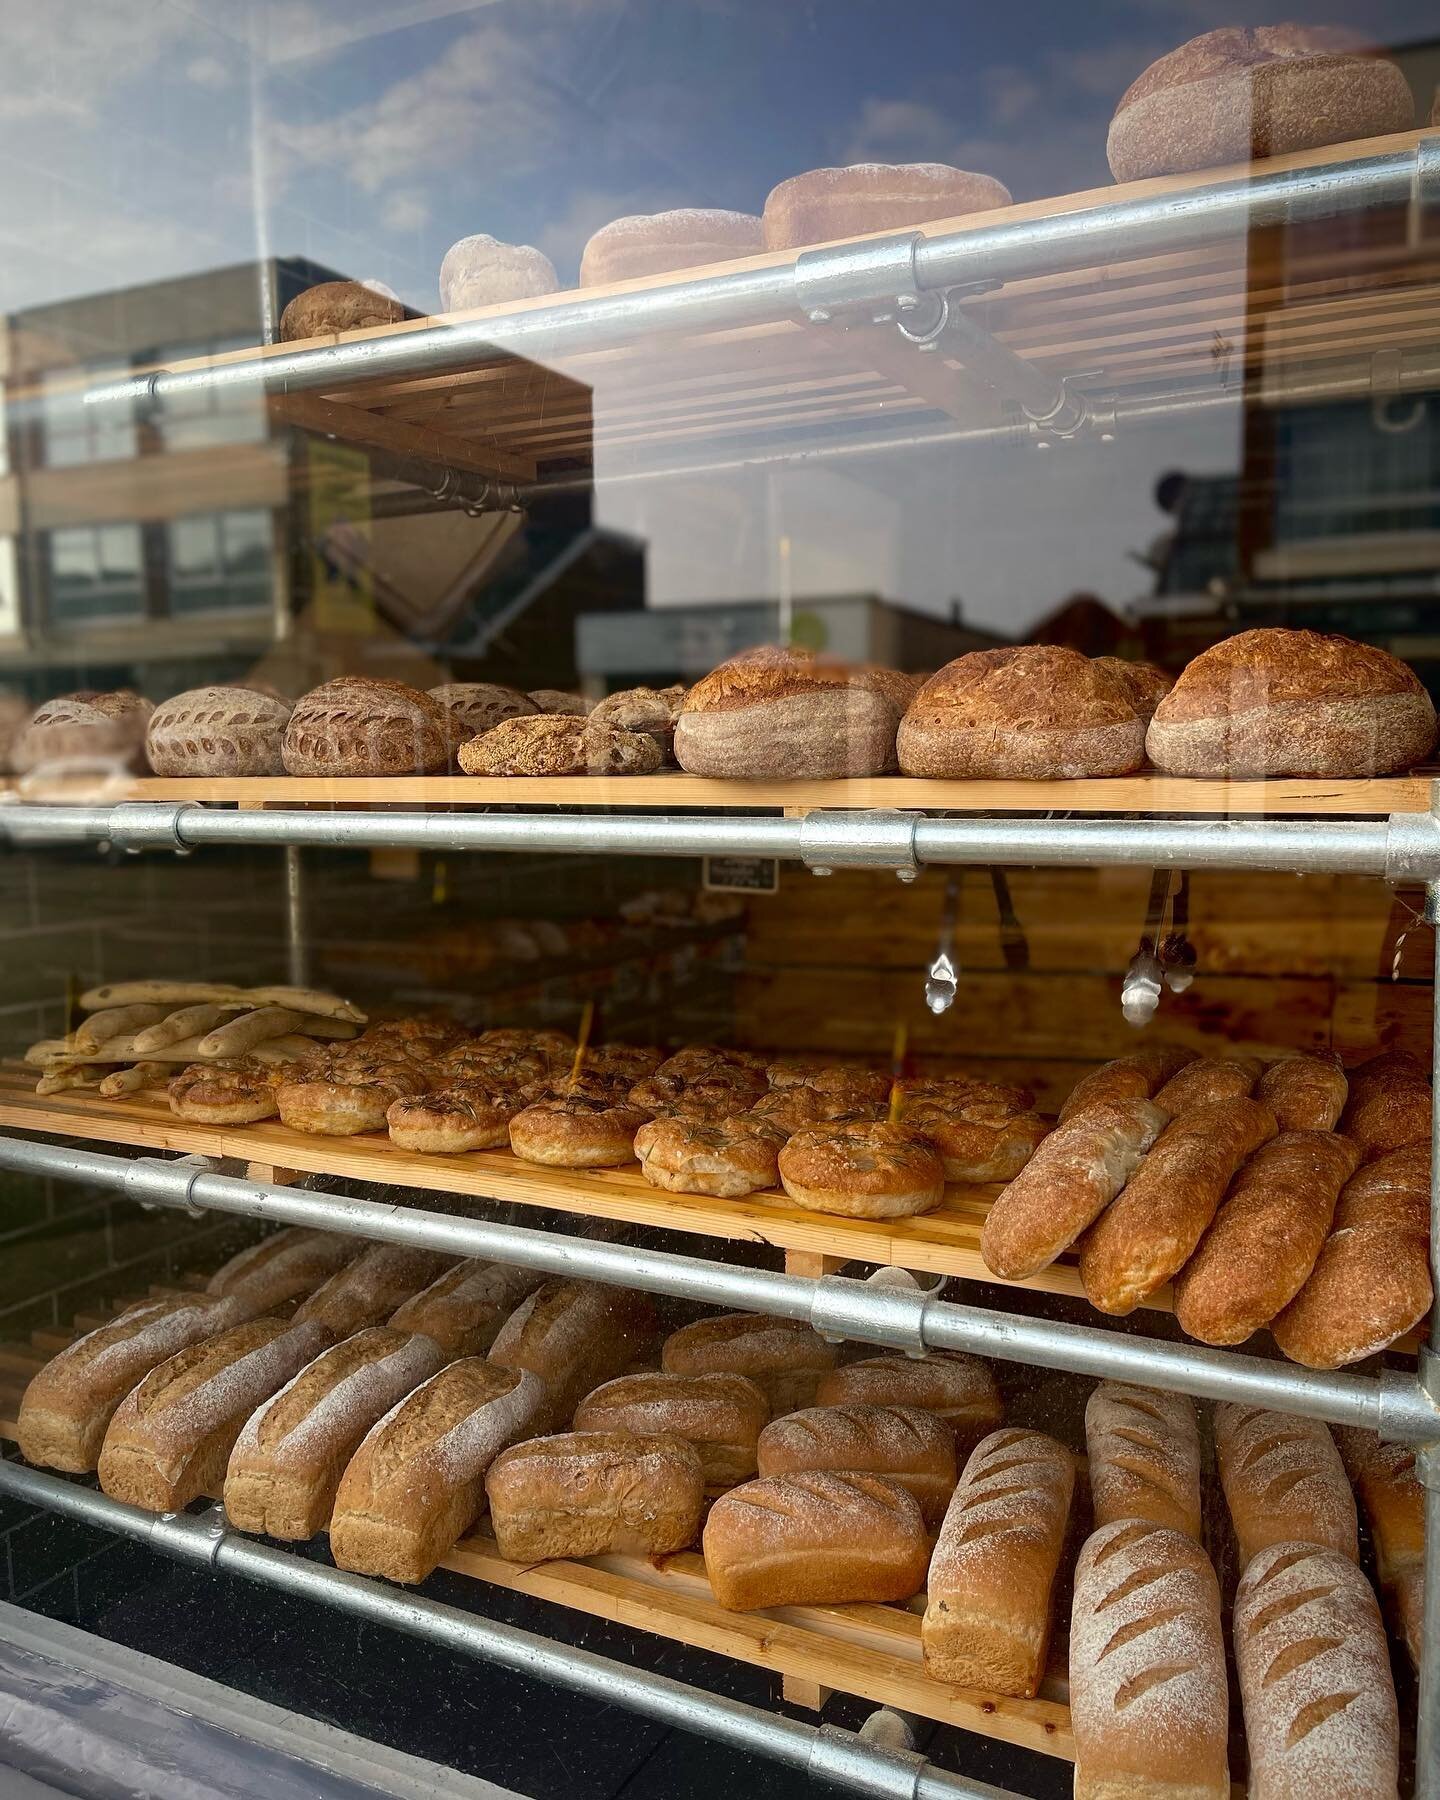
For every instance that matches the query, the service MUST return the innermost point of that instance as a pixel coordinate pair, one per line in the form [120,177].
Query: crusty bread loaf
[721,1415]
[287,1462]
[358,726]
[1384,1477]
[463,1309]
[594,1493]
[285,1266]
[477,706]
[171,1436]
[1138,1076]
[862,1168]
[573,1335]
[482,271]
[823,205]
[783,1357]
[1073,1176]
[1236,93]
[415,1485]
[816,1539]
[1371,1281]
[955,1387]
[1274,702]
[1262,1244]
[222,731]
[84,727]
[1389,1104]
[655,243]
[67,1407]
[1206,1080]
[987,1618]
[904,1444]
[1320,1713]
[651,710]
[553,743]
[1140,1241]
[335,306]
[366,1291]
[1144,1454]
[979,1138]
[1144,682]
[1030,711]
[1305,1093]
[1149,1704]
[1283,1480]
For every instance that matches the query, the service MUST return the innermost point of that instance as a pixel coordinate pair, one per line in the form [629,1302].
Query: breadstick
[132,1080]
[184,1022]
[113,1022]
[239,1036]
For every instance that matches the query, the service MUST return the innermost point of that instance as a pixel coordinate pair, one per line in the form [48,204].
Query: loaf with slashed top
[365,1292]
[285,1266]
[573,1335]
[1144,1454]
[463,1309]
[1284,1481]
[902,1443]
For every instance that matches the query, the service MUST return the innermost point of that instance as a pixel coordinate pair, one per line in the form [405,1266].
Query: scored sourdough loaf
[1138,1076]
[463,1310]
[783,1357]
[992,1577]
[573,1335]
[656,243]
[556,743]
[218,731]
[1283,1481]
[595,1493]
[956,1387]
[1305,1093]
[1144,1455]
[476,706]
[415,1486]
[355,725]
[67,1407]
[721,1415]
[1149,1704]
[815,1539]
[823,205]
[1394,1503]
[288,1460]
[1315,1681]
[1274,702]
[1389,1104]
[84,727]
[171,1436]
[285,1266]
[902,1443]
[366,1291]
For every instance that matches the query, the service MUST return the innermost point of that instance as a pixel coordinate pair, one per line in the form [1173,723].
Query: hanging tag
[740,874]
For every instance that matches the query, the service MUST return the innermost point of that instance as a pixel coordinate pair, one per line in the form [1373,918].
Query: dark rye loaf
[1233,94]
[1274,702]
[336,306]
[218,731]
[358,726]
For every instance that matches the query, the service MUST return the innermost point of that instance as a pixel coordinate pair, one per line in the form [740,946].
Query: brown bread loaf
[1394,1504]
[1149,1704]
[1371,1282]
[482,271]
[1145,684]
[287,1462]
[1032,711]
[1206,1080]
[1283,1480]
[463,1310]
[416,1484]
[655,243]
[783,1357]
[223,731]
[1145,1236]
[650,710]
[862,1168]
[1069,1181]
[595,1493]
[987,1618]
[979,1139]
[573,1335]
[816,1539]
[1274,702]
[357,726]
[171,1436]
[721,1415]
[550,743]
[1305,1093]
[336,306]
[285,1266]
[1144,1454]
[84,727]
[825,204]
[67,1407]
[1389,1104]
[1266,1237]
[955,1387]
[1310,1652]
[907,1446]
[1138,1076]
[366,1291]
[477,706]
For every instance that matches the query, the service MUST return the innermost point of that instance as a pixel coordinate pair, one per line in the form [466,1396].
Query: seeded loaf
[559,744]
[655,243]
[336,306]
[358,726]
[825,204]
[84,727]
[224,731]
[482,271]
[595,1493]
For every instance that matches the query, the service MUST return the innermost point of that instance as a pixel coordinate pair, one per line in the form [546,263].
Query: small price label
[741,874]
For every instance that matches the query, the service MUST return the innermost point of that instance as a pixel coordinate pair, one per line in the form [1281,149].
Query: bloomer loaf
[573,1335]
[783,1357]
[593,1493]
[287,1462]
[907,1446]
[1305,1093]
[721,1415]
[223,731]
[482,271]
[1394,1501]
[1144,1454]
[1138,1076]
[954,1386]
[463,1310]
[655,243]
[1283,1481]
[1389,1104]
[358,726]
[415,1485]
[366,1291]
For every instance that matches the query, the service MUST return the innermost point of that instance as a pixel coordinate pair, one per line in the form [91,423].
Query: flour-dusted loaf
[366,1291]
[67,1407]
[778,714]
[1283,1480]
[356,725]
[825,204]
[1319,1698]
[1149,1704]
[1030,711]
[288,1460]
[336,306]
[477,706]
[106,729]
[1236,93]
[783,1357]
[1305,1093]
[482,271]
[954,1386]
[463,1309]
[1389,1104]
[171,1436]
[595,1493]
[655,243]
[815,1539]
[1393,1500]
[721,1415]
[992,1577]
[285,1266]
[1277,702]
[902,1443]
[416,1484]
[1144,1454]
[573,1335]
[224,731]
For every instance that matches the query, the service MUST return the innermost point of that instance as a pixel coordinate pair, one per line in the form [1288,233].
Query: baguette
[1389,1104]
[287,1462]
[112,1022]
[1207,1080]
[1069,1181]
[955,1387]
[285,1266]
[414,1487]
[595,1493]
[573,1335]
[1138,1076]
[1150,1231]
[183,1022]
[1394,1501]
[912,1448]
[240,1035]
[463,1309]
[1284,1481]
[816,1539]
[366,1291]
[1266,1237]
[67,1408]
[1371,1282]
[1144,1454]
[1305,1093]
[987,1618]
[1320,1713]
[171,1436]
[721,1415]
[783,1357]
[181,993]
[1149,1704]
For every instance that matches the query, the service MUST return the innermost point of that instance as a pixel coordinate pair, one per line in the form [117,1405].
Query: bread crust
[447,1121]
[978,1139]
[1145,683]
[1394,1504]
[1138,1076]
[217,731]
[655,243]
[862,1170]
[783,1357]
[954,1386]
[335,306]
[1283,1481]
[903,1443]
[721,1415]
[1144,1453]
[1207,1080]
[1389,1104]
[463,1309]
[355,725]
[349,1092]
[595,1493]
[478,706]
[727,1159]
[824,205]
[212,1096]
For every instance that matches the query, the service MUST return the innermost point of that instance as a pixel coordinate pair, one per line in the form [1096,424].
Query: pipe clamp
[832,839]
[864,1768]
[843,1308]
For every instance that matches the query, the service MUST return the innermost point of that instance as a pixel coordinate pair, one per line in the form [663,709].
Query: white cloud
[207,72]
[406,210]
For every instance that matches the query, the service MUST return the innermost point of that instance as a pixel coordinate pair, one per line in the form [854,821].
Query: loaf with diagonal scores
[285,1266]
[1283,1480]
[1144,1454]
[721,1415]
[783,1357]
[957,1388]
[218,731]
[907,1446]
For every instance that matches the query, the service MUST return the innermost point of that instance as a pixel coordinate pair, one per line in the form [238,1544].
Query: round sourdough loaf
[218,731]
[1145,684]
[1036,712]
[479,705]
[336,306]
[84,727]
[1233,94]
[656,243]
[824,204]
[355,725]
[775,714]
[1276,702]
[482,271]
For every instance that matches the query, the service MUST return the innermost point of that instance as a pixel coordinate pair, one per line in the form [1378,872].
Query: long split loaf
[1394,1502]
[1138,1076]
[463,1309]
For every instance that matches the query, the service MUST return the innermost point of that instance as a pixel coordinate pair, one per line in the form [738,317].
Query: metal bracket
[1424,222]
[148,825]
[196,1538]
[832,839]
[850,277]
[149,1173]
[1412,846]
[843,1308]
[863,1767]
[1398,1421]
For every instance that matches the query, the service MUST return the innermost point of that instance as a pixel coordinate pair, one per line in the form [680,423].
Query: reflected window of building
[96,573]
[219,561]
